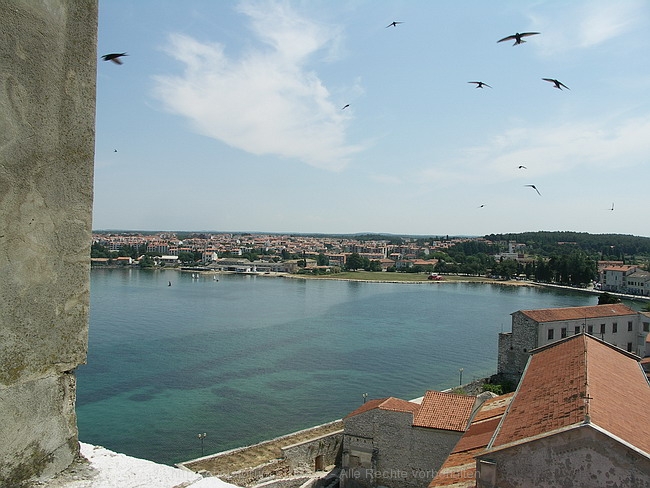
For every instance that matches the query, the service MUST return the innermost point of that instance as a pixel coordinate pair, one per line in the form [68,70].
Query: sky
[318,116]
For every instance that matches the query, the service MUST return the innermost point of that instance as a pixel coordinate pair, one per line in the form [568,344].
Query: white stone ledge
[102,468]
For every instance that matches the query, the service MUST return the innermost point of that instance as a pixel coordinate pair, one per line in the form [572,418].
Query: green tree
[354,262]
[606,298]
[147,262]
[99,251]
[186,257]
[321,260]
[506,268]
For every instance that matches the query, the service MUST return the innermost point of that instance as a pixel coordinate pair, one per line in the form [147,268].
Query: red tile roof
[494,407]
[620,395]
[576,313]
[576,380]
[622,267]
[459,469]
[446,411]
[390,403]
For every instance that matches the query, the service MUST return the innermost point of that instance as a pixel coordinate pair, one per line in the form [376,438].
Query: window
[590,329]
[629,347]
[629,326]
[563,332]
[614,328]
[576,330]
[646,326]
[602,328]
[550,334]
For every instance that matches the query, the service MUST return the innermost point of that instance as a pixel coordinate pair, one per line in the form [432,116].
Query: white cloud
[544,150]
[587,24]
[267,101]
[605,20]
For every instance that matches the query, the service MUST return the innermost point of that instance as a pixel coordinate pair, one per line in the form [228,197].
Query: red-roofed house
[615,323]
[578,418]
[395,443]
[614,278]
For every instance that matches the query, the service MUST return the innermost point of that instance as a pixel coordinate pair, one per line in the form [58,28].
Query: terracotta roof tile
[571,380]
[620,394]
[550,394]
[576,313]
[390,403]
[446,411]
[459,469]
[621,267]
[494,407]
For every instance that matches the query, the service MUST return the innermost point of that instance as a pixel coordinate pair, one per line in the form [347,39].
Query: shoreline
[422,281]
[415,281]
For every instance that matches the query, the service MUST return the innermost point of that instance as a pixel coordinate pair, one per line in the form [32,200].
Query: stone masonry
[47,108]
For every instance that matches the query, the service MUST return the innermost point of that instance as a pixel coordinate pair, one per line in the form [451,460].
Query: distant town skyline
[315,118]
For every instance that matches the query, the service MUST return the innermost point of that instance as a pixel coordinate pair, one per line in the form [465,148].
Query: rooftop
[446,411]
[459,469]
[390,403]
[579,389]
[577,313]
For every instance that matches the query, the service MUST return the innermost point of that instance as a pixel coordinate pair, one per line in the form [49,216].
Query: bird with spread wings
[517,37]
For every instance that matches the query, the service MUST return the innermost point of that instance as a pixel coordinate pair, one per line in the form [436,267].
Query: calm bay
[248,358]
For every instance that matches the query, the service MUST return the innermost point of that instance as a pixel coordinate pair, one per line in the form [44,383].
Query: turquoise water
[249,358]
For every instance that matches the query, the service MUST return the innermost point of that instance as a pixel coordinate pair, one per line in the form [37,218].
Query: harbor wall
[287,458]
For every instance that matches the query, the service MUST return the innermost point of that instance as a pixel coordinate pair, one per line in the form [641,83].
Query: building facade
[395,443]
[616,324]
[624,278]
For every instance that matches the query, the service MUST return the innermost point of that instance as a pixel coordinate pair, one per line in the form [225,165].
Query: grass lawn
[385,276]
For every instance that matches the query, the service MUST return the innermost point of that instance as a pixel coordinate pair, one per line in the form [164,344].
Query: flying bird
[517,37]
[481,206]
[115,57]
[612,209]
[521,166]
[394,24]
[479,84]
[535,188]
[557,83]
[345,106]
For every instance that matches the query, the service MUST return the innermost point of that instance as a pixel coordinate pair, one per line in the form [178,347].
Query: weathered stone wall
[277,468]
[578,457]
[325,450]
[382,448]
[515,347]
[47,108]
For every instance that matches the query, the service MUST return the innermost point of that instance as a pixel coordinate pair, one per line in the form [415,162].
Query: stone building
[396,443]
[578,418]
[615,323]
[581,422]
[47,79]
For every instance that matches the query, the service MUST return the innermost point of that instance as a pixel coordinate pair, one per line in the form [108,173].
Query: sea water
[248,358]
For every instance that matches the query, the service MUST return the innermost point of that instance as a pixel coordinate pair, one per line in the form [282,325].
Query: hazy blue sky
[227,116]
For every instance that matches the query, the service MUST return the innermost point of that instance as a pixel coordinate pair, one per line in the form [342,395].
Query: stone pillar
[47,118]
